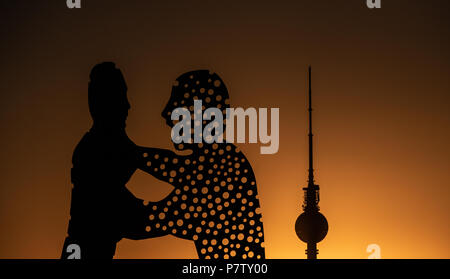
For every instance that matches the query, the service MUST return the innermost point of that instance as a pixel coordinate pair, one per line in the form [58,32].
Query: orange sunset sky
[381,96]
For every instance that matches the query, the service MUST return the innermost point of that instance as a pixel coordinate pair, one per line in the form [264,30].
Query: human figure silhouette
[103,210]
[215,200]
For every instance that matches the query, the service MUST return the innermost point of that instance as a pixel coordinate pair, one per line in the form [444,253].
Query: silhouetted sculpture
[102,209]
[215,200]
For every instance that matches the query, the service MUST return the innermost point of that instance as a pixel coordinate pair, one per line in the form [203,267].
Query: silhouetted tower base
[312,251]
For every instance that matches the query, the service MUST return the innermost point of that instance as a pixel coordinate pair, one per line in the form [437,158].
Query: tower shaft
[311,226]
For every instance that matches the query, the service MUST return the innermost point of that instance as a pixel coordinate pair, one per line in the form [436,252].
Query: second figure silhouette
[215,201]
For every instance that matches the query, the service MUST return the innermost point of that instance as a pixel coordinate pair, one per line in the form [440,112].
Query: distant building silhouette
[311,226]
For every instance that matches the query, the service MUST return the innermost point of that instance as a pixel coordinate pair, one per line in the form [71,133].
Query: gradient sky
[381,96]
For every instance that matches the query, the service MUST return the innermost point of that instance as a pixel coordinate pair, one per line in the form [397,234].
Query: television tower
[311,226]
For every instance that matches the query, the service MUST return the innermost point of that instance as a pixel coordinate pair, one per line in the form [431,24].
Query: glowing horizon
[381,116]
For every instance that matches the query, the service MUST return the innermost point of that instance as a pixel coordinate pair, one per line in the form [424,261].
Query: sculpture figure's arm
[162,163]
[146,221]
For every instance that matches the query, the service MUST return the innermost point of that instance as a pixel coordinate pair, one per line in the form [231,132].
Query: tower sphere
[311,227]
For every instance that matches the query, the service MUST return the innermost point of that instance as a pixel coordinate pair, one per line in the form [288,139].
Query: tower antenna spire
[310,135]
